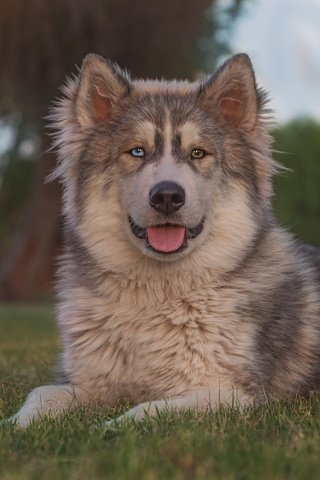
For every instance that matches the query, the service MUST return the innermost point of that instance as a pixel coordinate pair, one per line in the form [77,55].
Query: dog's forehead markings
[167,134]
[147,130]
[190,134]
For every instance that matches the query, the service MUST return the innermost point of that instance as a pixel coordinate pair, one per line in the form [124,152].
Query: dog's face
[168,163]
[166,167]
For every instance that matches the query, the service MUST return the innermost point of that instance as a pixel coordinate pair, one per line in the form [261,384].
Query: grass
[278,441]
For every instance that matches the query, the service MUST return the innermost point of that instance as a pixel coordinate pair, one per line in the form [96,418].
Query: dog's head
[164,168]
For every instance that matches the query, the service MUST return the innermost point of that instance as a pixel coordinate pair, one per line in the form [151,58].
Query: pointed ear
[233,92]
[102,85]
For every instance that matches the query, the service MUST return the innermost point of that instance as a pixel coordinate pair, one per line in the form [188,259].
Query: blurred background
[41,41]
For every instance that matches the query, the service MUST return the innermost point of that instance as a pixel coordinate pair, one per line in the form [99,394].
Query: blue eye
[137,152]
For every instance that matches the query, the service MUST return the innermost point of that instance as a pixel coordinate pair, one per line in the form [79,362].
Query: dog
[177,288]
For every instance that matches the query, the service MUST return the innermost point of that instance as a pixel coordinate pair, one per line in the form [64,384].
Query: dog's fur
[233,318]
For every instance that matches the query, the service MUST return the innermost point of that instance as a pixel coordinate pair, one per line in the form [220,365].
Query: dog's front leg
[209,399]
[50,400]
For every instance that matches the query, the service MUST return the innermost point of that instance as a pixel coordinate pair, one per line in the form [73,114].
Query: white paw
[17,420]
[48,400]
[141,411]
[21,421]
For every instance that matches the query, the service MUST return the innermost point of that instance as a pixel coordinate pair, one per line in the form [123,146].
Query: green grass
[279,441]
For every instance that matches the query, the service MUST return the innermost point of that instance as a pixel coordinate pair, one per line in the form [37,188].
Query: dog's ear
[102,85]
[232,92]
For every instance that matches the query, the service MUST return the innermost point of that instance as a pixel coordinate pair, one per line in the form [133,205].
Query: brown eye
[197,153]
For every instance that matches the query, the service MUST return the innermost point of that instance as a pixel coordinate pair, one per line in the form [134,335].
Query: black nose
[167,197]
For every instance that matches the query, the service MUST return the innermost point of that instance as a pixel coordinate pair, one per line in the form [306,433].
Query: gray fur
[233,317]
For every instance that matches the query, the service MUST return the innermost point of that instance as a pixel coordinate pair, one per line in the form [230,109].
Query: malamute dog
[177,288]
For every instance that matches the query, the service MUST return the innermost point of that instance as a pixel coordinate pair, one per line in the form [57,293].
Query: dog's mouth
[166,238]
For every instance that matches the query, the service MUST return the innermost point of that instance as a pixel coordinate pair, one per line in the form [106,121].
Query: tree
[297,201]
[41,41]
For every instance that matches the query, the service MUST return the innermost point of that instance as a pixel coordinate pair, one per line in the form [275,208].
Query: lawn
[279,441]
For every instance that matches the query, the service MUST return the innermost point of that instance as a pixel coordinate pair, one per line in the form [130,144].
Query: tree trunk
[27,268]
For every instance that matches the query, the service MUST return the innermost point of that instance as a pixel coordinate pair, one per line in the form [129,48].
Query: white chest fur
[142,348]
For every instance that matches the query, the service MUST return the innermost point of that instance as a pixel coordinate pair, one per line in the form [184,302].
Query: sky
[282,38]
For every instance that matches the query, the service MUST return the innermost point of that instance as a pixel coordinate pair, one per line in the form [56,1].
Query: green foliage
[17,179]
[297,200]
[17,170]
[276,441]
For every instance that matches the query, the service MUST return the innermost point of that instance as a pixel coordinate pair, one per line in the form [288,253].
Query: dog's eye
[197,153]
[137,152]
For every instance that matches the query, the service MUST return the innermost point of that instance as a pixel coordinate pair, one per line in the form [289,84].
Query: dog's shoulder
[312,254]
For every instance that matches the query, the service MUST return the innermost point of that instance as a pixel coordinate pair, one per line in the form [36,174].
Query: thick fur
[232,319]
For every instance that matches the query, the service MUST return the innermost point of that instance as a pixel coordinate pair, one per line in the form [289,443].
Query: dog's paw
[140,412]
[12,421]
[20,421]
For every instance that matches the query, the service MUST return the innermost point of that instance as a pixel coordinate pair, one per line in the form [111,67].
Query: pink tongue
[166,239]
